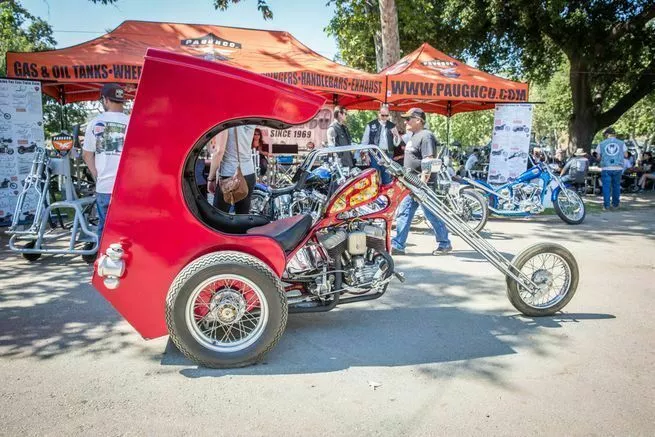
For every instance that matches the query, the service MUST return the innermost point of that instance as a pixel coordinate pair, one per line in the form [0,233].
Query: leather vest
[375,129]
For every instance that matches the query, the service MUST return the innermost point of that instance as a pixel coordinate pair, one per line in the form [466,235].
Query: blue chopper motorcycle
[307,194]
[529,193]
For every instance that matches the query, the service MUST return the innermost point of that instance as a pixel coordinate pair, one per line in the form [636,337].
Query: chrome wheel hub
[543,279]
[228,306]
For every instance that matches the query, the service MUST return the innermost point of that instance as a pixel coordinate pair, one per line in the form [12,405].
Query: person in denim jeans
[422,145]
[611,151]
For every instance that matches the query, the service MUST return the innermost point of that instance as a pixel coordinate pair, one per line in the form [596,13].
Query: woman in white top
[230,154]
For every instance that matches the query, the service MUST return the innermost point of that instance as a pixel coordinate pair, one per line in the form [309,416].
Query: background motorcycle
[469,205]
[527,195]
[309,192]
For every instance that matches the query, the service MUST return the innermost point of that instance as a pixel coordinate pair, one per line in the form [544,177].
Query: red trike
[222,285]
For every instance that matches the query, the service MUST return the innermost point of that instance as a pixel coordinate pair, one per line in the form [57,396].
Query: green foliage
[467,128]
[357,121]
[262,7]
[21,32]
[74,113]
[222,5]
[355,23]
[608,48]
[551,118]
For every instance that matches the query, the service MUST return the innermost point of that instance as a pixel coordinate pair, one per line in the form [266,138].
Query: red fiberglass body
[181,102]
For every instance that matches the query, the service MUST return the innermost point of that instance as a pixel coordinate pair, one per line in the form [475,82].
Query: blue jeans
[385,177]
[404,217]
[102,202]
[611,183]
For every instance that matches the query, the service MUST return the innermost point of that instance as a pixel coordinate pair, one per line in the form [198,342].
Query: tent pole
[449,113]
[62,105]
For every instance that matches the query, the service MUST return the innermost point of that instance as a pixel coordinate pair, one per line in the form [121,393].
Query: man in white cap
[576,168]
[103,144]
[422,145]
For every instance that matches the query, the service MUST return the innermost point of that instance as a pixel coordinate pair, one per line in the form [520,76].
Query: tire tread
[210,260]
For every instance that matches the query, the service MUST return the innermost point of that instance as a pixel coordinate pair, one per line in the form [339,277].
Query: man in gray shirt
[422,145]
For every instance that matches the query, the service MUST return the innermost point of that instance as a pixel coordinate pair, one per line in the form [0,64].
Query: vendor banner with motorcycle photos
[510,142]
[308,136]
[21,132]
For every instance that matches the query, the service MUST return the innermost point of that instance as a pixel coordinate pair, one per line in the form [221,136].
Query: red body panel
[179,100]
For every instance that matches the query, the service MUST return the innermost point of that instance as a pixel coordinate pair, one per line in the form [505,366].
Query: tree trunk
[390,45]
[390,37]
[379,61]
[583,122]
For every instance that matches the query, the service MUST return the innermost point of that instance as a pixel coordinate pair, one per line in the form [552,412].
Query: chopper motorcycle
[222,285]
[528,193]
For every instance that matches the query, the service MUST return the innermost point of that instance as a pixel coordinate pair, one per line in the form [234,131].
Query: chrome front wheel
[553,269]
[569,206]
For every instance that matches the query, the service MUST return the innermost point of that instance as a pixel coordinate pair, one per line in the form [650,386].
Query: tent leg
[447,131]
[449,113]
[62,108]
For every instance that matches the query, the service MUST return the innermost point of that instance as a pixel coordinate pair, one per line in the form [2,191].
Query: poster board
[21,132]
[510,143]
[314,131]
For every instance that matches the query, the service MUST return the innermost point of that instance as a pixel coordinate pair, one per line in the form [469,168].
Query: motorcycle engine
[527,197]
[361,252]
[358,252]
[308,202]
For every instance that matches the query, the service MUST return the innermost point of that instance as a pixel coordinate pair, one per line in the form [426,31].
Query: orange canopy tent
[437,83]
[77,73]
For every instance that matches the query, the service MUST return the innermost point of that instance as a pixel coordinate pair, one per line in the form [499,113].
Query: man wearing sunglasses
[384,134]
[422,145]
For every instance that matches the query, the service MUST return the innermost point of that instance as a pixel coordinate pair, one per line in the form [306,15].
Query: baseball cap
[113,92]
[414,112]
[609,131]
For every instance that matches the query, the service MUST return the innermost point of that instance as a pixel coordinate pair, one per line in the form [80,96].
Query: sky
[76,21]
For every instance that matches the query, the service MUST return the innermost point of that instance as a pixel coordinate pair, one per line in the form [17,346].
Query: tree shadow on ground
[418,323]
[48,308]
[636,223]
[361,337]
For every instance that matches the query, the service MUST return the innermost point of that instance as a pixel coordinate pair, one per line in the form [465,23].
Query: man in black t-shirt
[421,145]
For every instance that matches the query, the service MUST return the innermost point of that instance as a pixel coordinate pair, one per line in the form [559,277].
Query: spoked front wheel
[226,309]
[569,206]
[554,270]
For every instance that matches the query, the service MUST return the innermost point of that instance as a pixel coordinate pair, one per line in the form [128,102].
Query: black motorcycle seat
[276,192]
[287,231]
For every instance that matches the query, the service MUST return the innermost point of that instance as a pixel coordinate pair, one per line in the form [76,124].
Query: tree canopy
[22,32]
[607,46]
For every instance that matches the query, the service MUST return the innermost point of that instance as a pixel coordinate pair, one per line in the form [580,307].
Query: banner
[312,134]
[510,143]
[21,132]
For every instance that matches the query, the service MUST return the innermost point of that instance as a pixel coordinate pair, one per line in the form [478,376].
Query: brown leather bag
[235,188]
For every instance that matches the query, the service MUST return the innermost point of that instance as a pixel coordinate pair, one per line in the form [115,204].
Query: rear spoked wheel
[226,309]
[554,270]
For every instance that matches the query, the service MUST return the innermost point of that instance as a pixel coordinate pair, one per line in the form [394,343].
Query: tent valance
[77,73]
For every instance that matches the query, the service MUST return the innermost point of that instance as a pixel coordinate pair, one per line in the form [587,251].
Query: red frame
[180,100]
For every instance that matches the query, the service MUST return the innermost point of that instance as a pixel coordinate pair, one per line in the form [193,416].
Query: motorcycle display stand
[43,236]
